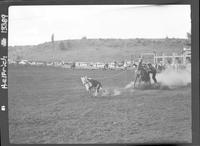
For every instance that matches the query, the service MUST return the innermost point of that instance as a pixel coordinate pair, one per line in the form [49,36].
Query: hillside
[95,49]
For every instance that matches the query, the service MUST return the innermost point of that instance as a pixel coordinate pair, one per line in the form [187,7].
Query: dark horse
[142,76]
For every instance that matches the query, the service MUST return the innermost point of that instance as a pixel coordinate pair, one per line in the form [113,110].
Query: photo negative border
[4,6]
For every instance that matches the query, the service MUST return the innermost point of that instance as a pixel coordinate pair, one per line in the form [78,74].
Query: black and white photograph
[90,74]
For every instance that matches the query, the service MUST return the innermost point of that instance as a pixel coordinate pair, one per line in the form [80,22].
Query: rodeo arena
[149,69]
[143,100]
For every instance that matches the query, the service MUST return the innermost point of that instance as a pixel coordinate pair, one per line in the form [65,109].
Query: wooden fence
[166,59]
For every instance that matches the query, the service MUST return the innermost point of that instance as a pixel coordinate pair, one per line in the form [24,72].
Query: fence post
[163,58]
[155,58]
[173,58]
[184,59]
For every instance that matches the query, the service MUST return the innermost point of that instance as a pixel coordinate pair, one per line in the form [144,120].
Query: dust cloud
[118,91]
[171,77]
[111,92]
[168,79]
[130,85]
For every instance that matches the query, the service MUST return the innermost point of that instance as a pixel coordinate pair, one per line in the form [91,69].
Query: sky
[32,25]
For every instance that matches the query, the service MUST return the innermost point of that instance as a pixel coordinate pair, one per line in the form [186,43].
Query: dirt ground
[50,105]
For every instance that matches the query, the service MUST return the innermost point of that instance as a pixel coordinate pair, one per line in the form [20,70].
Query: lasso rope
[107,77]
[111,76]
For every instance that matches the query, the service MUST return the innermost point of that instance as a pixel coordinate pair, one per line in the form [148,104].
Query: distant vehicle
[58,64]
[32,63]
[111,65]
[67,65]
[120,64]
[39,63]
[23,62]
[120,68]
[100,65]
[128,64]
[49,64]
[81,65]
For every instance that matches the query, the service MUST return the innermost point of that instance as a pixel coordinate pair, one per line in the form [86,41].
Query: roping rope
[111,76]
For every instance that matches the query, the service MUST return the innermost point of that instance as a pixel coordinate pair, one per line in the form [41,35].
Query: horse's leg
[148,84]
[89,91]
[96,92]
[90,88]
[154,78]
[139,82]
[135,80]
[98,88]
[149,80]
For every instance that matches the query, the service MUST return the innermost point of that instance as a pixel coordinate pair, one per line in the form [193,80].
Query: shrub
[62,46]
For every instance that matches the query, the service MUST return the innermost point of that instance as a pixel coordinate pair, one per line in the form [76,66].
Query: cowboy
[140,67]
[141,72]
[153,71]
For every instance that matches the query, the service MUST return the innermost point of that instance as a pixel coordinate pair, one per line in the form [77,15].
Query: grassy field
[50,105]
